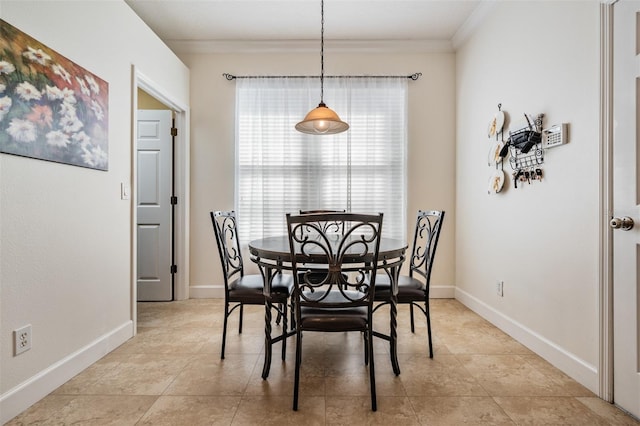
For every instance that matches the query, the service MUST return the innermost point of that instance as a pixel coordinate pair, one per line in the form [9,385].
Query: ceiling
[219,25]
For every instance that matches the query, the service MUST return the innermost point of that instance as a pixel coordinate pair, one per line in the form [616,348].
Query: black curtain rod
[414,76]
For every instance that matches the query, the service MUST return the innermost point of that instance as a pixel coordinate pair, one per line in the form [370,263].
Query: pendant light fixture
[322,120]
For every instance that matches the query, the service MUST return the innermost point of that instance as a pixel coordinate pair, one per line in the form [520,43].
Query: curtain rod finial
[229,76]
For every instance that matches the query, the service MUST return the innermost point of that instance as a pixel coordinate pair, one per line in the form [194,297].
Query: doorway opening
[150,95]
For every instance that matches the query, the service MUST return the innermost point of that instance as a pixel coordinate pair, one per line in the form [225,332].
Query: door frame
[605,249]
[181,189]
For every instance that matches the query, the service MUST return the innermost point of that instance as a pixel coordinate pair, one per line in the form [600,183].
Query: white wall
[66,260]
[431,151]
[542,238]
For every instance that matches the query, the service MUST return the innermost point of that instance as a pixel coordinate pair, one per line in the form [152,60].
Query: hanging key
[539,174]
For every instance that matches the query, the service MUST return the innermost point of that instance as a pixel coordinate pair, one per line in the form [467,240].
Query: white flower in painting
[22,130]
[67,109]
[57,138]
[53,93]
[59,70]
[97,110]
[6,67]
[92,84]
[82,138]
[69,96]
[28,91]
[83,87]
[70,124]
[5,106]
[94,156]
[36,55]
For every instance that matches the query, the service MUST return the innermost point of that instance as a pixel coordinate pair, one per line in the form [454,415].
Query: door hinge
[174,200]
[174,269]
[174,131]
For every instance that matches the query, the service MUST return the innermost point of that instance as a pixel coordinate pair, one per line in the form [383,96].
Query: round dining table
[272,255]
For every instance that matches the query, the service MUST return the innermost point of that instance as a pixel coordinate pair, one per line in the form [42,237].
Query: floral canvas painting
[50,108]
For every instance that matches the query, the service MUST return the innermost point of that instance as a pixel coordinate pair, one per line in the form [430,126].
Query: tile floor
[171,374]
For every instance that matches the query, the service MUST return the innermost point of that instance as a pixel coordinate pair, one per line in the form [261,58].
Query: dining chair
[343,300]
[413,289]
[245,289]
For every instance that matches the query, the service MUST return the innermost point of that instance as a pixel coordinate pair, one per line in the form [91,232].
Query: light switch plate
[125,191]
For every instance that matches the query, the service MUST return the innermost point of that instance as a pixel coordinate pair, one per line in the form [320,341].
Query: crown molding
[472,23]
[306,46]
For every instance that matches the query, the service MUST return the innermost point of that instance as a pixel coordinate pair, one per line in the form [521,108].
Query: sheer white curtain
[279,170]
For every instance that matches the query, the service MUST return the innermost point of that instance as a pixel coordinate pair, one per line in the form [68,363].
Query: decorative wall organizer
[50,108]
[523,148]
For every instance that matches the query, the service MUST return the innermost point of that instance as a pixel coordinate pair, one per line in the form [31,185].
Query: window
[279,170]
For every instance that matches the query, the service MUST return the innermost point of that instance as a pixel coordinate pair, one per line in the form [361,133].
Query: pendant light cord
[322,52]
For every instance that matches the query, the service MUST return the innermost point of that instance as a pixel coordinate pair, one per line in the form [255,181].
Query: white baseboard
[579,370]
[21,397]
[206,291]
[442,292]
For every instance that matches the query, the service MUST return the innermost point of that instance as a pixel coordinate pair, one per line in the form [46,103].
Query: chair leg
[366,347]
[372,372]
[279,317]
[293,316]
[283,306]
[413,329]
[426,310]
[240,323]
[296,382]
[224,329]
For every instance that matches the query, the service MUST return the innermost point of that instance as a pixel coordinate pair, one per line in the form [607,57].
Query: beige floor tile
[282,385]
[441,376]
[569,386]
[281,377]
[192,411]
[113,410]
[170,340]
[277,411]
[84,381]
[140,374]
[354,411]
[609,412]
[479,339]
[43,412]
[459,410]
[206,374]
[549,411]
[512,375]
[418,343]
[249,342]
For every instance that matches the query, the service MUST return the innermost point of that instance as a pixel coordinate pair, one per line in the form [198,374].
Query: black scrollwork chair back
[342,300]
[328,227]
[413,289]
[241,289]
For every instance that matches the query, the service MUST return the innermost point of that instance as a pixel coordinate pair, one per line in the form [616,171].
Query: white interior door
[626,196]
[154,208]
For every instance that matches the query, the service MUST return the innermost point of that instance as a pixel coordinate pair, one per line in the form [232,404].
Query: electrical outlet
[500,288]
[22,339]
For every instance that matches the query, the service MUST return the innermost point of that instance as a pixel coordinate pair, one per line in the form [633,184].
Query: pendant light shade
[322,120]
